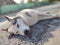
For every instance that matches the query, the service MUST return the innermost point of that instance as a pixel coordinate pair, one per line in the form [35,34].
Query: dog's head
[18,26]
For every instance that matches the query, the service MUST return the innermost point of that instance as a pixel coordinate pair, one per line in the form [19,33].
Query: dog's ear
[15,20]
[7,18]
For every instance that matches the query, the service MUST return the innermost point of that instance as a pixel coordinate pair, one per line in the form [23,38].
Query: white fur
[35,16]
[13,29]
[26,21]
[22,27]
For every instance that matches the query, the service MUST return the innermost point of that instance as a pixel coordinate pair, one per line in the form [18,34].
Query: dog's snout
[26,32]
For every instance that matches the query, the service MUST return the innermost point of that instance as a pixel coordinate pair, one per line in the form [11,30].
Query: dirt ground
[45,32]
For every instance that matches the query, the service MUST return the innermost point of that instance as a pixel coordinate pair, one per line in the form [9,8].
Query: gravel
[38,33]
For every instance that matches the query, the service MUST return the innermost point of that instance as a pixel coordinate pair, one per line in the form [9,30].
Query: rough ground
[45,32]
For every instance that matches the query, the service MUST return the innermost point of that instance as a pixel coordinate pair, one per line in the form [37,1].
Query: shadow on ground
[39,32]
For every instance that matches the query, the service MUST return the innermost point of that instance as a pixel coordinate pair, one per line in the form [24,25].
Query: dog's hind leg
[47,16]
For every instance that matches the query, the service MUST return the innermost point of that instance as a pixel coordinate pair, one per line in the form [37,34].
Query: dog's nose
[26,32]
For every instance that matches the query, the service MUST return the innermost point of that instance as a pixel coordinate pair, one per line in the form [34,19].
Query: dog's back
[31,16]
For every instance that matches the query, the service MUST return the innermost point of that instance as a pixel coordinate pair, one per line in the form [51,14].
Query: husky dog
[21,23]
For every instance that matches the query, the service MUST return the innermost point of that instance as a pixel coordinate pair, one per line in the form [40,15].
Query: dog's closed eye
[14,22]
[17,25]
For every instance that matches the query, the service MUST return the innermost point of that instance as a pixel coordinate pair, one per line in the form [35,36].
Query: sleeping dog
[21,23]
